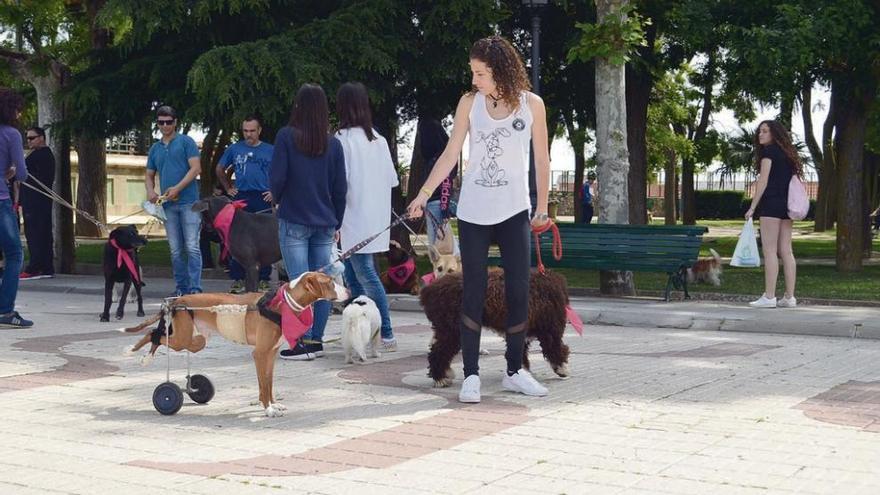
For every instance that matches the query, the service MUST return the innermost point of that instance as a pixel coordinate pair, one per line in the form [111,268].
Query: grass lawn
[813,281]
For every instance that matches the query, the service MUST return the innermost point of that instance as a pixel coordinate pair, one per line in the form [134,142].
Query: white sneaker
[763,302]
[523,382]
[470,390]
[787,302]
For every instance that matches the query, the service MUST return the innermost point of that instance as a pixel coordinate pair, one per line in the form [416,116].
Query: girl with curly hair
[12,167]
[777,160]
[503,119]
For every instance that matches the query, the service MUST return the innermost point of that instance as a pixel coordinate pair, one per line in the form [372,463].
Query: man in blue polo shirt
[176,158]
[250,159]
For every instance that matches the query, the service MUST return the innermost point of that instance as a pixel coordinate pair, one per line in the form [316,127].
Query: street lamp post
[535,7]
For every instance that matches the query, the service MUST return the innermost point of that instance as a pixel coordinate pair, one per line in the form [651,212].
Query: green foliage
[613,39]
[667,111]
[720,204]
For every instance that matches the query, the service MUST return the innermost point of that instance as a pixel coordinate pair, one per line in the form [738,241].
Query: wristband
[427,191]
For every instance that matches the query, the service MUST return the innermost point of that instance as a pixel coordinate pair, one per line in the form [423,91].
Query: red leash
[556,249]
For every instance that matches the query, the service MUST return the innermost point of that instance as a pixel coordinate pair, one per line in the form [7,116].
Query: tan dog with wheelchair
[252,319]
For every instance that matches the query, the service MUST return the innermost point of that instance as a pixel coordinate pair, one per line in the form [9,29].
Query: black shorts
[773,206]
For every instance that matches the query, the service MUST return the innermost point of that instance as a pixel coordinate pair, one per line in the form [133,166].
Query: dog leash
[556,246]
[357,247]
[58,199]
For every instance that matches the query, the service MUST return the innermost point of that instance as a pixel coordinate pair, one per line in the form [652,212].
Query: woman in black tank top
[777,161]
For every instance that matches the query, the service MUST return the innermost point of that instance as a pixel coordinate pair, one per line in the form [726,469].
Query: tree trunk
[577,139]
[806,113]
[638,91]
[688,196]
[208,176]
[669,188]
[611,150]
[826,196]
[850,150]
[786,108]
[91,189]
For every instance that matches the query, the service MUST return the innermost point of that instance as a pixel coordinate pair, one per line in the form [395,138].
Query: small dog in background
[361,323]
[121,265]
[401,276]
[706,270]
[442,253]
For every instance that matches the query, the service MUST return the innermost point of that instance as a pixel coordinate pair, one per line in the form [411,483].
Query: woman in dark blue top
[307,180]
[777,161]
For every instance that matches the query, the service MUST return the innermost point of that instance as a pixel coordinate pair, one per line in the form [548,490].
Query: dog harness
[293,325]
[123,257]
[223,221]
[400,273]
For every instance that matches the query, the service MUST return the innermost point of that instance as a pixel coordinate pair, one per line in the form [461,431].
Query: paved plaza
[691,398]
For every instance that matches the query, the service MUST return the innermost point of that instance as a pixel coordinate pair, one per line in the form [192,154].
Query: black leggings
[512,236]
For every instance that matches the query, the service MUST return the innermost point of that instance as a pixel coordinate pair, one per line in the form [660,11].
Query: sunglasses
[165,122]
[31,138]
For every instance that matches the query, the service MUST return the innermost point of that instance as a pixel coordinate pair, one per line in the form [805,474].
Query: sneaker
[470,390]
[764,302]
[34,276]
[316,349]
[787,302]
[14,320]
[299,352]
[390,345]
[237,287]
[523,382]
[264,286]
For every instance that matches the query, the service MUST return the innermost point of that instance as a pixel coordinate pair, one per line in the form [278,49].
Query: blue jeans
[182,225]
[362,279]
[433,208]
[255,204]
[305,249]
[10,244]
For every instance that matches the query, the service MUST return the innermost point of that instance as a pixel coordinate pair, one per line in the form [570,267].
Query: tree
[610,41]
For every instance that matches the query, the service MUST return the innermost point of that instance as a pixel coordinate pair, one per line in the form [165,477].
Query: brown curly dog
[548,296]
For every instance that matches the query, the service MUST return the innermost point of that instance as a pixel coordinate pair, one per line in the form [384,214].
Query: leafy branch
[614,38]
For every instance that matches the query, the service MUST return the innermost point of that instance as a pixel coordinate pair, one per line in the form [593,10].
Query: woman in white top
[370,173]
[503,119]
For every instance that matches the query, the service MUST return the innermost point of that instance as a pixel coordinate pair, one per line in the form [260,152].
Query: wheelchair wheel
[200,389]
[167,398]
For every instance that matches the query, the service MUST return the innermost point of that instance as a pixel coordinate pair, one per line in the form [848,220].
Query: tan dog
[706,270]
[442,253]
[248,319]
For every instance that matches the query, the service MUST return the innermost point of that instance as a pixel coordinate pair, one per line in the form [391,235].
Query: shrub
[720,205]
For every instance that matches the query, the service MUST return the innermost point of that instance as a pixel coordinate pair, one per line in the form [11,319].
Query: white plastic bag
[746,253]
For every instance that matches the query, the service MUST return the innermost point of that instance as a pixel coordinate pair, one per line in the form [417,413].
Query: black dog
[121,264]
[253,237]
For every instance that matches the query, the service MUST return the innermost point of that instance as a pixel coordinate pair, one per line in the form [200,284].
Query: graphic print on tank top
[491,174]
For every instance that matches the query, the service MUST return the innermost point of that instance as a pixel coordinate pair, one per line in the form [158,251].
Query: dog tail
[715,255]
[140,327]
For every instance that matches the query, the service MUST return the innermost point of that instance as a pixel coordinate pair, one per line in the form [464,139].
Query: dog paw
[442,383]
[273,411]
[147,359]
[104,318]
[128,351]
[562,371]
[279,406]
[141,313]
[119,316]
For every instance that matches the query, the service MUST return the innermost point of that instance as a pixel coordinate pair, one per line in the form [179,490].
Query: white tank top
[495,185]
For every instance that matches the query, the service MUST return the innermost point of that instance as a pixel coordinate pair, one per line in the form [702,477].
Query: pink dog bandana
[293,326]
[123,256]
[400,273]
[223,221]
[575,320]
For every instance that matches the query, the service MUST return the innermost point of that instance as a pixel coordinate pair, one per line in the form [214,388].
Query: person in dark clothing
[432,142]
[777,160]
[587,196]
[37,208]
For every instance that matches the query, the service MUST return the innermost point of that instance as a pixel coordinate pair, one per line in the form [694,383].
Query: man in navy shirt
[176,159]
[587,197]
[250,160]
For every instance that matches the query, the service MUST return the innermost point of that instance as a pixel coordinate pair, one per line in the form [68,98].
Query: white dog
[360,327]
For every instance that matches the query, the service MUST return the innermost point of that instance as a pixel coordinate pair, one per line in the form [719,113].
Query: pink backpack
[798,201]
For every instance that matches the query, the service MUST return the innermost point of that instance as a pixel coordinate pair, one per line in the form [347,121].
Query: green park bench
[669,249]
